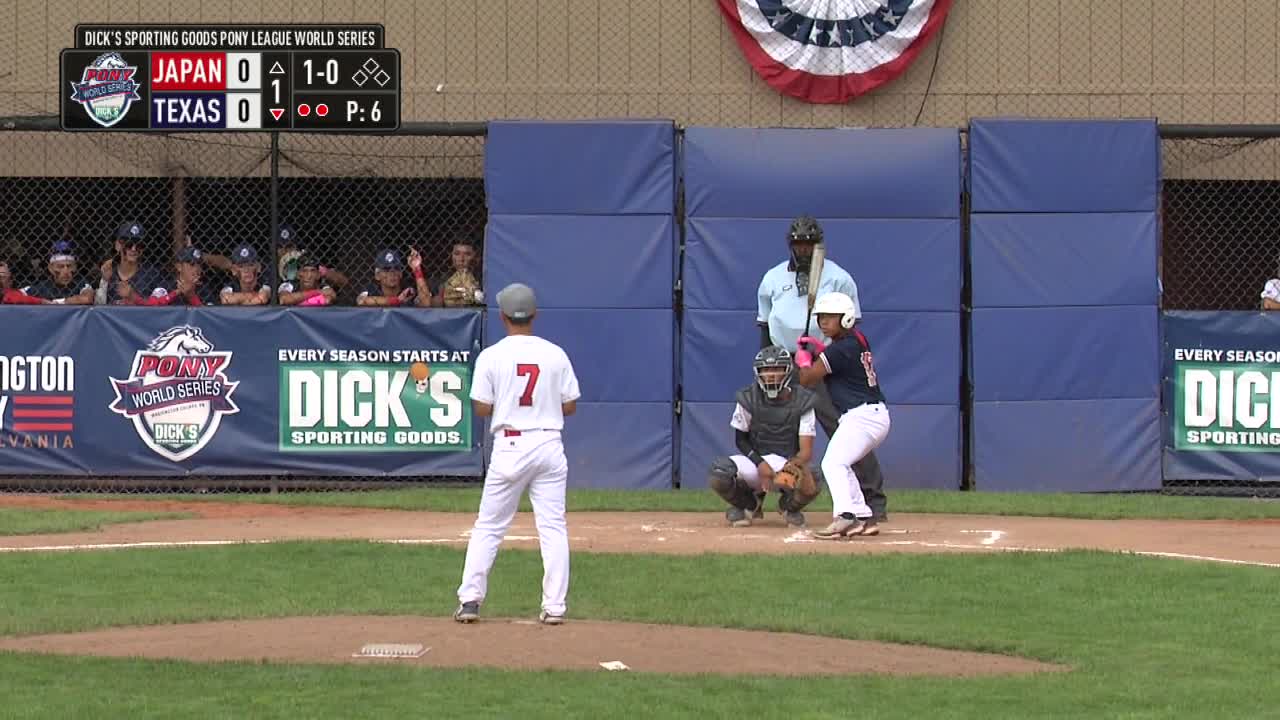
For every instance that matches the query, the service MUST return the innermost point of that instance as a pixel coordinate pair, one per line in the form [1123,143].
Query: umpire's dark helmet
[774,369]
[804,229]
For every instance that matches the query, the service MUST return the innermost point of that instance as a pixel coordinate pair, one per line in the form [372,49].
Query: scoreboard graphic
[189,78]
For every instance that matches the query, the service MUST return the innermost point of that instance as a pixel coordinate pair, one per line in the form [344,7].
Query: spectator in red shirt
[9,295]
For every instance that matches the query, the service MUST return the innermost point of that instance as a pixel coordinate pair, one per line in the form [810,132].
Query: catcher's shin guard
[724,480]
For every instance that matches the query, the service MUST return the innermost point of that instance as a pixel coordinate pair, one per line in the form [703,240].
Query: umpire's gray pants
[868,468]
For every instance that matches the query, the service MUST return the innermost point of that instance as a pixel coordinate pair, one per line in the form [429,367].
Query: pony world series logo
[177,392]
[107,89]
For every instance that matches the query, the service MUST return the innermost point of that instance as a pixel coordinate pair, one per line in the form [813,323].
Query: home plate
[392,650]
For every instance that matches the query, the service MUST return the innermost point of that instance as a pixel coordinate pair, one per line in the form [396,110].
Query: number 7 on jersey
[530,371]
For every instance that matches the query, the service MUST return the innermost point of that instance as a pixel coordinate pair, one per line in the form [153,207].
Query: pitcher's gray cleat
[467,612]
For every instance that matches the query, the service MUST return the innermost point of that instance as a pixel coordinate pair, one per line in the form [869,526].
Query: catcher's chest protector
[775,425]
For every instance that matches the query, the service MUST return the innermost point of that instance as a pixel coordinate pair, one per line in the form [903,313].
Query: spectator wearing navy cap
[126,266]
[185,288]
[64,286]
[246,288]
[388,287]
[303,289]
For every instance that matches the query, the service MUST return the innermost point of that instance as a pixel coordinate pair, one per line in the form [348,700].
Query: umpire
[783,305]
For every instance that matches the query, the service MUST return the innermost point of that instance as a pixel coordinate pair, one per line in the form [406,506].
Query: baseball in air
[419,371]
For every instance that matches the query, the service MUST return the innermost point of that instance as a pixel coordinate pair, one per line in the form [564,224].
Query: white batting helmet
[837,303]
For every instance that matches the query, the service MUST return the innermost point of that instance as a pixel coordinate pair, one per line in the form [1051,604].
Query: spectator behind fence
[289,252]
[246,287]
[185,289]
[460,287]
[388,287]
[1271,293]
[126,267]
[309,288]
[9,295]
[64,286]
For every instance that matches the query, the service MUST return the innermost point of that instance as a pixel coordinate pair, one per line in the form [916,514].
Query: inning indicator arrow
[277,112]
[276,69]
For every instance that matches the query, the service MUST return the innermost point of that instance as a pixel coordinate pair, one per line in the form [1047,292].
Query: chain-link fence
[1221,220]
[81,209]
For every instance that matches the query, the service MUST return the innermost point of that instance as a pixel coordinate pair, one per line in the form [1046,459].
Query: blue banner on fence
[1222,395]
[249,391]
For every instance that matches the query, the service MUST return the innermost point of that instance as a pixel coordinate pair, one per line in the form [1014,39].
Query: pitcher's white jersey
[526,378]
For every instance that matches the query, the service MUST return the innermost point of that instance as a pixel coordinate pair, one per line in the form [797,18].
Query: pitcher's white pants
[534,460]
[860,431]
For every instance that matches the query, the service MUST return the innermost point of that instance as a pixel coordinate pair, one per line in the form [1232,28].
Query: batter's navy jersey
[852,377]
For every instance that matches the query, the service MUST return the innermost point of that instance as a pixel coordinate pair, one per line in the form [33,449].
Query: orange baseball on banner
[419,371]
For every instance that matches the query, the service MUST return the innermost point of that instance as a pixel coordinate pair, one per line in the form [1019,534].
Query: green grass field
[1101,507]
[1147,638]
[31,521]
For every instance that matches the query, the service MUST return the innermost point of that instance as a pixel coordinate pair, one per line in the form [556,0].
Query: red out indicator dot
[322,109]
[304,110]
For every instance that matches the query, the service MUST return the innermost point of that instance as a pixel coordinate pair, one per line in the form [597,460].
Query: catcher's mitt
[461,289]
[795,475]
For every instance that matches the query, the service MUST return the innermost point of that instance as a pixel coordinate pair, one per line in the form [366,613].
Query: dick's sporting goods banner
[1222,395]
[237,391]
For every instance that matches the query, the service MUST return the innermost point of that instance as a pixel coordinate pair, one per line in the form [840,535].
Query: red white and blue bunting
[830,51]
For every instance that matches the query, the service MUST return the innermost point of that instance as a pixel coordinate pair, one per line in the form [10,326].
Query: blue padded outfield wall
[583,213]
[1065,335]
[889,204]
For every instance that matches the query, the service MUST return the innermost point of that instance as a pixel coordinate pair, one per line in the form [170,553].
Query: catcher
[775,426]
[460,288]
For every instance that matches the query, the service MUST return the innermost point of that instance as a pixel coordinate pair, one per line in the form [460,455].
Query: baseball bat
[815,279]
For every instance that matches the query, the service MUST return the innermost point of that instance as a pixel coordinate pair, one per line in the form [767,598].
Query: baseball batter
[526,386]
[772,422]
[847,368]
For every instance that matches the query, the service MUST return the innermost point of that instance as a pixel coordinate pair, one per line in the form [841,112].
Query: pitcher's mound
[526,645]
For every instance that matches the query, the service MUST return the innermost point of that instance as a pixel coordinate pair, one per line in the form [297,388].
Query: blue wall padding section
[900,264]
[916,354]
[1044,260]
[1063,165]
[615,361]
[1065,353]
[616,261]
[583,168]
[922,450]
[1072,446]
[783,172]
[568,200]
[620,445]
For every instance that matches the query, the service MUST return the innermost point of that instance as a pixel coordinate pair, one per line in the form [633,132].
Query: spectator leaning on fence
[459,287]
[64,286]
[388,287]
[246,287]
[185,288]
[9,295]
[308,288]
[125,266]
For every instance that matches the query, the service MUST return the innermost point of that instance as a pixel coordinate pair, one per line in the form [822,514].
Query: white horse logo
[180,340]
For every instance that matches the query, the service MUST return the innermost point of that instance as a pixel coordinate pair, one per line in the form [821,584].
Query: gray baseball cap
[516,301]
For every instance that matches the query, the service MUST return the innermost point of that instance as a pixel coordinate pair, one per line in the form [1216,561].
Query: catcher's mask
[805,232]
[774,369]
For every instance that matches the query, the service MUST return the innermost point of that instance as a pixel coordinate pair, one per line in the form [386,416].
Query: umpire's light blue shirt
[784,308]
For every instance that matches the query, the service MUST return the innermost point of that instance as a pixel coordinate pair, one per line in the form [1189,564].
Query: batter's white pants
[536,461]
[860,431]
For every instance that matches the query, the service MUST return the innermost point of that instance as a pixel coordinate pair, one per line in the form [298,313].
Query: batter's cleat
[467,612]
[869,528]
[794,518]
[547,618]
[839,527]
[737,517]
